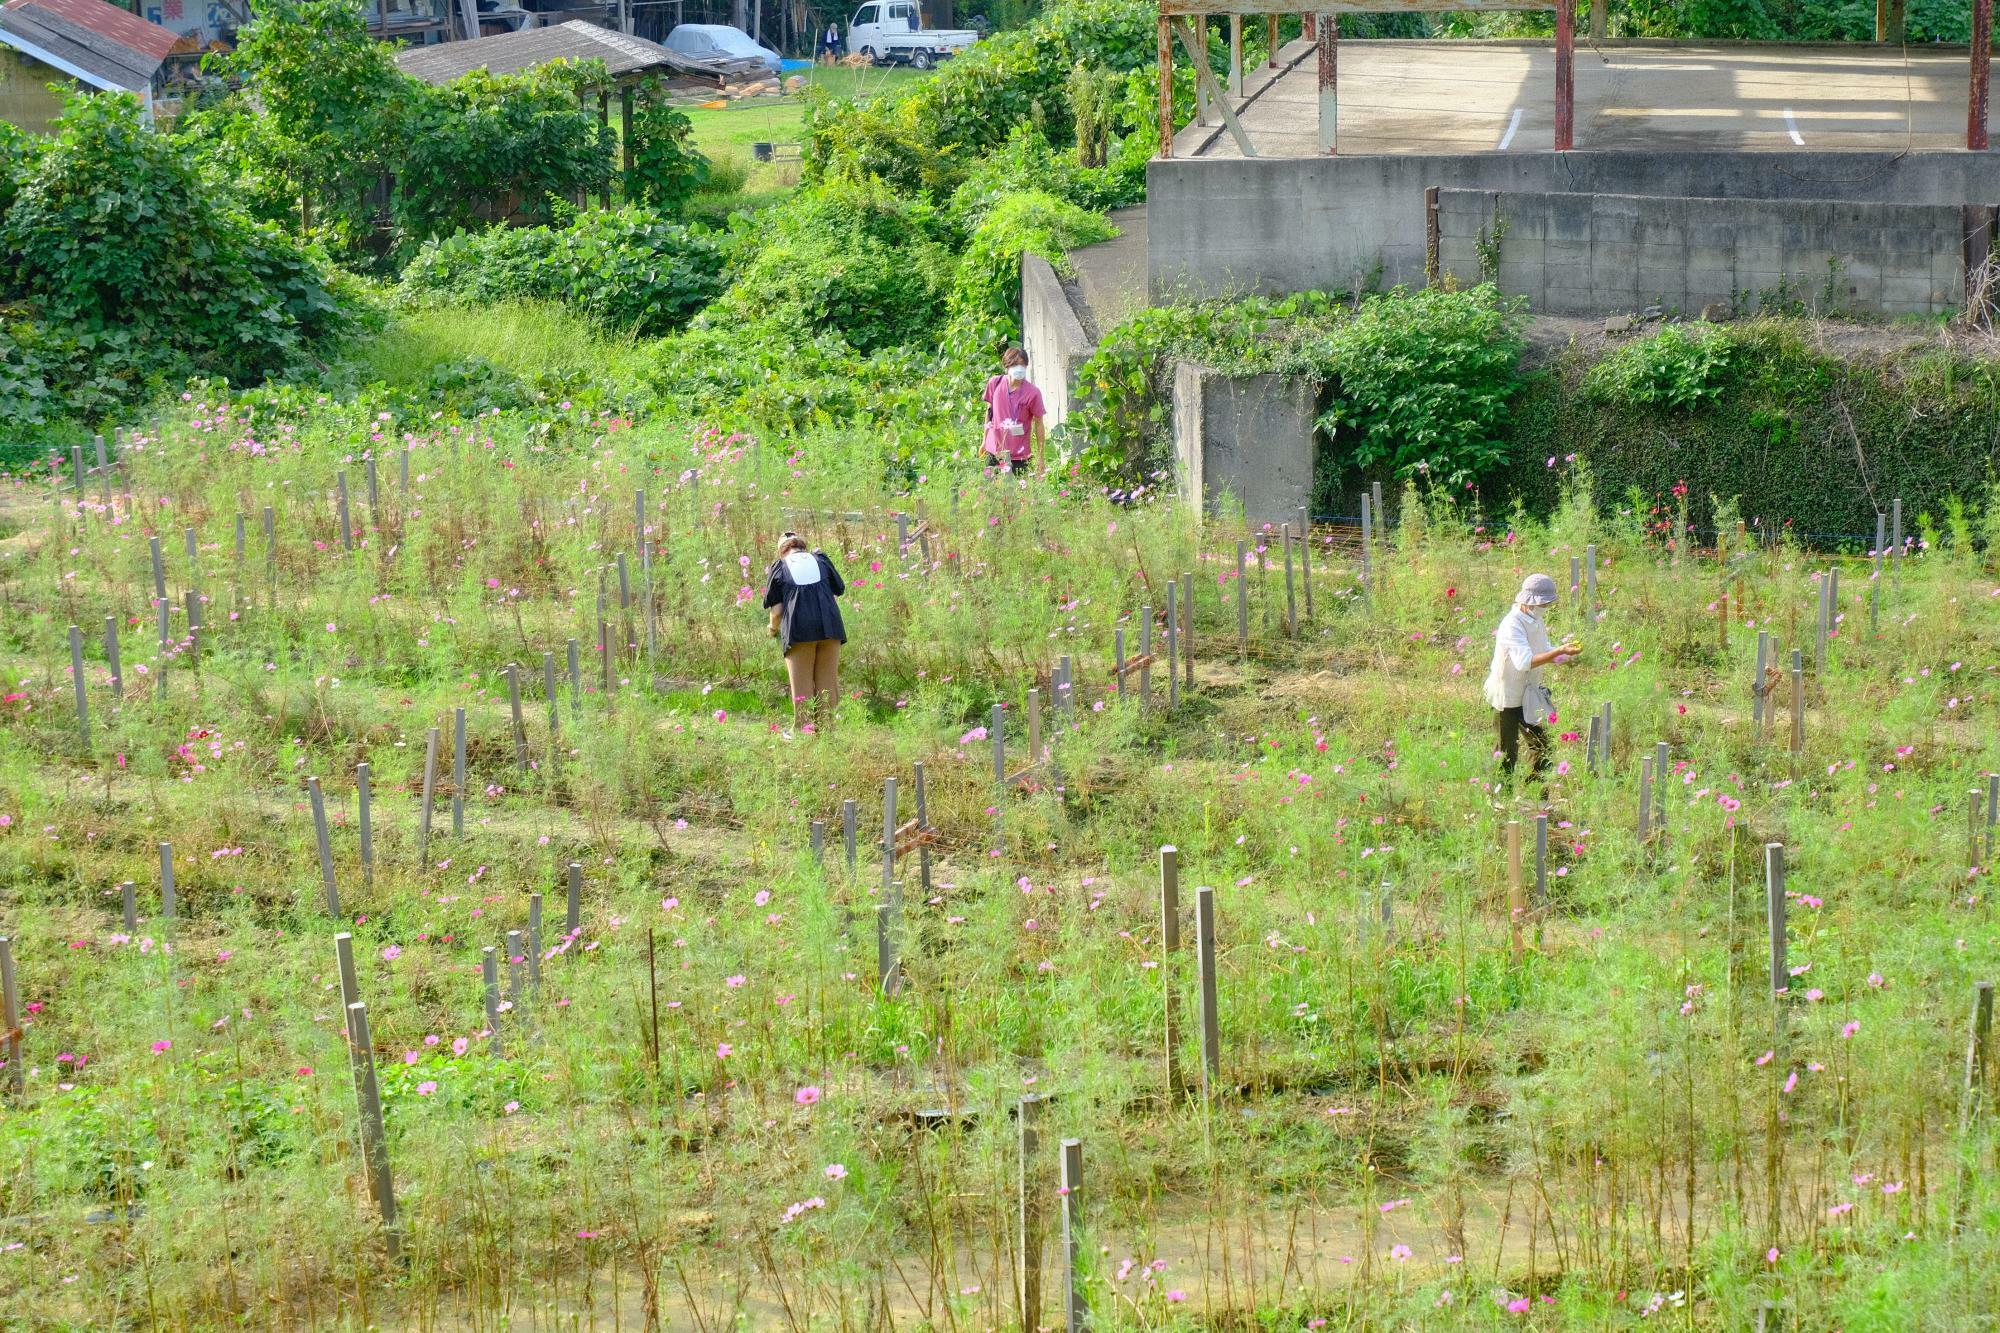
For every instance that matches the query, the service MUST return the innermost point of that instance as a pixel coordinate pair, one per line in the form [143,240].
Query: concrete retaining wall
[1587,254]
[1052,336]
[1223,226]
[1243,439]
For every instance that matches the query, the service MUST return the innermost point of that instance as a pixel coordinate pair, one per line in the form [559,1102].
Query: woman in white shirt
[1514,684]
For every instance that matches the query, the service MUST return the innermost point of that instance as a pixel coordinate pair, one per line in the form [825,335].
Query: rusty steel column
[1327,33]
[1982,73]
[1166,87]
[1566,75]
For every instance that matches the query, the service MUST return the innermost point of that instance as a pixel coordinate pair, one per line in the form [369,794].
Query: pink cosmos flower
[836,1172]
[806,1096]
[162,1045]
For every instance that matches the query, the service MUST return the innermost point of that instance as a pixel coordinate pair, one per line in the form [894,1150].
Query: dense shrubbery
[986,296]
[630,270]
[125,267]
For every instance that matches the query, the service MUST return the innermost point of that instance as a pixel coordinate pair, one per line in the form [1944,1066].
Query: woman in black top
[805,619]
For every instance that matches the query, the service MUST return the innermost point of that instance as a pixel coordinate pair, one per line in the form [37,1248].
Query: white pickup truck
[891,32]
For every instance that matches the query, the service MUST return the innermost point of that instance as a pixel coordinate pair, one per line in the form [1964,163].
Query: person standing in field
[829,42]
[1014,412]
[1521,702]
[805,619]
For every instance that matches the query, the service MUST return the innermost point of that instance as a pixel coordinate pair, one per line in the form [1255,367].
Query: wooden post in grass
[343,962]
[1211,1027]
[458,772]
[1575,577]
[1305,558]
[128,894]
[924,822]
[1975,802]
[1662,770]
[549,690]
[403,471]
[1992,809]
[1118,659]
[1977,1052]
[346,528]
[1604,740]
[520,726]
[325,842]
[1242,606]
[194,627]
[1035,751]
[1187,624]
[1875,576]
[364,788]
[111,657]
[10,1017]
[1170,947]
[816,842]
[573,917]
[1798,703]
[1076,1306]
[1027,1112]
[515,990]
[535,939]
[1291,597]
[489,975]
[888,966]
[575,682]
[1759,692]
[1172,633]
[1367,546]
[374,1141]
[1774,913]
[1590,582]
[1517,898]
[160,569]
[850,814]
[1541,902]
[1645,799]
[76,679]
[165,632]
[1590,747]
[604,671]
[169,906]
[1145,651]
[430,795]
[888,835]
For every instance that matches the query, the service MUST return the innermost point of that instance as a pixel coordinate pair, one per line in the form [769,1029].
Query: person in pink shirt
[1014,437]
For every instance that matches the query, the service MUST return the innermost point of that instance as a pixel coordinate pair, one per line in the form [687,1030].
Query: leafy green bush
[629,270]
[850,257]
[1682,366]
[986,296]
[131,267]
[1422,381]
[666,169]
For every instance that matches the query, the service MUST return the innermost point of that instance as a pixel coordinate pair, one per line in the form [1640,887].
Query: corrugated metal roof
[109,47]
[511,52]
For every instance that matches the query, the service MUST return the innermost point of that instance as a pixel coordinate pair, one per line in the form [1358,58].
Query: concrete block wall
[1052,336]
[1230,226]
[1245,440]
[1590,254]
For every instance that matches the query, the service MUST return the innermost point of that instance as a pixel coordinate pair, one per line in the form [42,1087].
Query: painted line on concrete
[1793,126]
[1513,123]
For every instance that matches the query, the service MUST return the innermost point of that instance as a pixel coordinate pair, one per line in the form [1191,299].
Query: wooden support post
[103,476]
[816,842]
[374,1141]
[535,939]
[169,905]
[111,657]
[364,788]
[1590,747]
[1541,903]
[516,991]
[1166,59]
[10,1017]
[76,680]
[1170,947]
[1076,1306]
[430,799]
[1722,622]
[1662,770]
[325,842]
[573,917]
[340,503]
[888,835]
[1327,35]
[1774,914]
[458,772]
[1977,1053]
[520,727]
[1566,75]
[1645,799]
[1271,40]
[1027,1113]
[160,569]
[1600,19]
[489,975]
[1211,1024]
[1604,741]
[128,894]
[549,691]
[1975,806]
[1982,74]
[1517,898]
[924,823]
[1235,56]
[1367,544]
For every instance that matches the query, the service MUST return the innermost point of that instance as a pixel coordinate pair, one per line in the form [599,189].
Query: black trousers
[1512,725]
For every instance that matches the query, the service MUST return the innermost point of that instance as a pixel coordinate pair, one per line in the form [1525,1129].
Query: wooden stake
[430,794]
[1211,1030]
[575,681]
[128,893]
[1306,558]
[1187,627]
[520,727]
[1145,652]
[169,908]
[489,972]
[10,1017]
[1798,703]
[364,786]
[76,678]
[1645,799]
[924,822]
[458,772]
[1074,1301]
[1774,913]
[1173,650]
[1242,606]
[573,920]
[816,842]
[1976,1055]
[1035,752]
[343,961]
[535,939]
[1170,947]
[515,988]
[1291,598]
[1027,1113]
[111,656]
[549,691]
[375,1142]
[1517,898]
[850,814]
[1118,659]
[325,847]
[1541,863]
[1590,581]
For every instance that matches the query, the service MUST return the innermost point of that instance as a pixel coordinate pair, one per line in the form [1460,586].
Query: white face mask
[1017,373]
